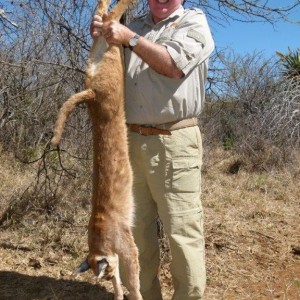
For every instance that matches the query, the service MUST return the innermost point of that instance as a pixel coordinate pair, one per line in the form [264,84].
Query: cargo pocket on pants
[186,175]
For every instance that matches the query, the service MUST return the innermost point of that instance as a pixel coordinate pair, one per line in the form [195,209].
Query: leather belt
[162,128]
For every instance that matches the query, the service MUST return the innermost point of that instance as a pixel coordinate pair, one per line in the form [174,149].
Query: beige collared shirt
[152,98]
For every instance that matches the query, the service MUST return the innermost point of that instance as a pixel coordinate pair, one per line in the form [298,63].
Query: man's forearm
[157,57]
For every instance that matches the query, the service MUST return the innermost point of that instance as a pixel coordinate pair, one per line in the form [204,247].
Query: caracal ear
[83,267]
[102,265]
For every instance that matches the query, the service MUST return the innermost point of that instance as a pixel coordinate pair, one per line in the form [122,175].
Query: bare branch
[4,16]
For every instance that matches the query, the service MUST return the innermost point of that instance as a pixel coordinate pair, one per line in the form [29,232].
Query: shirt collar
[177,13]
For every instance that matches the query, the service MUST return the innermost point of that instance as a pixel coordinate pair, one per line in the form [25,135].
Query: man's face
[161,9]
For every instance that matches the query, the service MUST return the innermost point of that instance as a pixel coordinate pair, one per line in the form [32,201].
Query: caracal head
[103,266]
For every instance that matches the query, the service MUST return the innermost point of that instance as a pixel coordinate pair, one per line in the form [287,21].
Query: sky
[260,37]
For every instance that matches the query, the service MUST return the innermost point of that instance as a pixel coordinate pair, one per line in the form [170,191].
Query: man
[166,57]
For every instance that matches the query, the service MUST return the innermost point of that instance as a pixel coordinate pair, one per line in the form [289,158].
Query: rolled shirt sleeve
[190,42]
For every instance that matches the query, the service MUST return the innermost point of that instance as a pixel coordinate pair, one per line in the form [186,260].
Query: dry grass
[252,225]
[14,179]
[252,235]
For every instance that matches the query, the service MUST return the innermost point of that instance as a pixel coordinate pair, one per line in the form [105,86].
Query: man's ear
[102,265]
[83,267]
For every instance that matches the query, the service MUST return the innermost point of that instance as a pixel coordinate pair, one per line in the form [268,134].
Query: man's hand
[95,27]
[114,32]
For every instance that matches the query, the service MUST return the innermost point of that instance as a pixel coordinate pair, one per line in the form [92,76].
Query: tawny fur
[109,229]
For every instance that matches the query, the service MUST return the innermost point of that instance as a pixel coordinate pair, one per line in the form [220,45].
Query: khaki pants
[167,175]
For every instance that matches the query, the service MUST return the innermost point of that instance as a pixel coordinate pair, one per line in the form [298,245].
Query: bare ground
[252,225]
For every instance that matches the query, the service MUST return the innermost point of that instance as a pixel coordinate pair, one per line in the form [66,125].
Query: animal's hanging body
[109,230]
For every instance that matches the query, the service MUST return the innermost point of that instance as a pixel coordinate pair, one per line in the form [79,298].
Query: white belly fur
[100,46]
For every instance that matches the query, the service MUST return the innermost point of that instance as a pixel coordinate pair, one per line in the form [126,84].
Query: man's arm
[156,56]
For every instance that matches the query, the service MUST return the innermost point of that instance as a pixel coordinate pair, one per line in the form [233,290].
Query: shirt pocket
[165,35]
[186,175]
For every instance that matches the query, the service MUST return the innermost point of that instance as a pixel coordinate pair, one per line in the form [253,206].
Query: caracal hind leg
[129,257]
[117,12]
[102,7]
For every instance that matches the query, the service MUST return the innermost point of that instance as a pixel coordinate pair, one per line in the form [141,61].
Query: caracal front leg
[116,281]
[129,257]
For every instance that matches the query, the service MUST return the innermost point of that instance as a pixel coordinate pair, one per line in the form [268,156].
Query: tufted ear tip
[83,267]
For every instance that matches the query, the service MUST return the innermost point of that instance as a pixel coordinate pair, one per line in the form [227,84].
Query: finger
[97,18]
[97,24]
[95,31]
[104,17]
[96,28]
[95,34]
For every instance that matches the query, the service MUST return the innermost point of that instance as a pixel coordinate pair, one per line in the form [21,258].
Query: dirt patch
[30,273]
